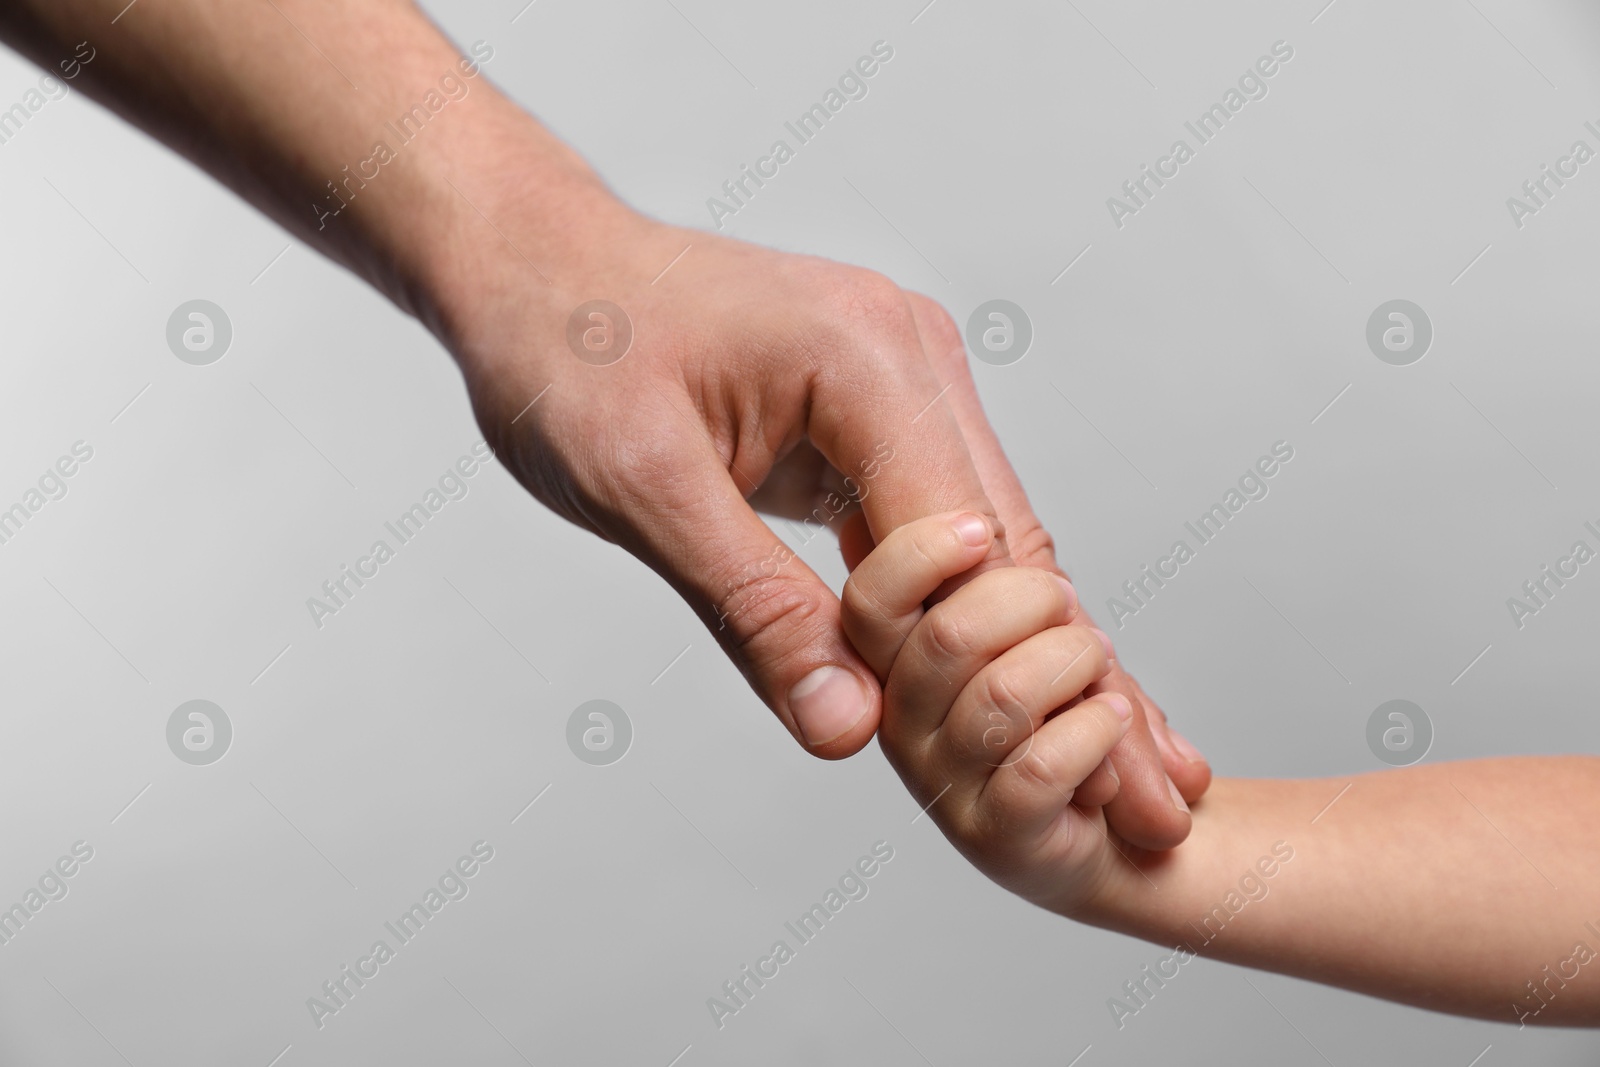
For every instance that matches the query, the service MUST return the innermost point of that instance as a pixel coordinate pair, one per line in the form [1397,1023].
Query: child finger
[980,622]
[1008,701]
[1028,792]
[882,600]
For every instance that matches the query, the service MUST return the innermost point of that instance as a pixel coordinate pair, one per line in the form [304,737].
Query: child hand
[983,717]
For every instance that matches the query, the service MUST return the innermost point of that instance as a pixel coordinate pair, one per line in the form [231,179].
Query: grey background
[374,752]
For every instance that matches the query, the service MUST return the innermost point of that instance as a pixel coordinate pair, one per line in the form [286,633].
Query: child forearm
[1468,887]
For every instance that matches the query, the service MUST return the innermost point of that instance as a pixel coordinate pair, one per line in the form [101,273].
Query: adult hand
[750,374]
[755,377]
[748,366]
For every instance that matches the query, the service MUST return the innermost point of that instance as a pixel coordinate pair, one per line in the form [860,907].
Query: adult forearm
[1464,887]
[359,127]
[354,123]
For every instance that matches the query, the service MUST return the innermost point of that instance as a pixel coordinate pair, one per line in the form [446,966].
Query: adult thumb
[773,616]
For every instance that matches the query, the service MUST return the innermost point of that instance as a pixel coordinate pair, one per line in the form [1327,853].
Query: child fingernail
[827,703]
[1177,797]
[1071,595]
[1122,706]
[1105,643]
[973,529]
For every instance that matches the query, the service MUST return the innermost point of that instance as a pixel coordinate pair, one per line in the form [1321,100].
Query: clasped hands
[757,379]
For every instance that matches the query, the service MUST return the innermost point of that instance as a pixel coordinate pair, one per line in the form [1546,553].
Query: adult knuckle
[1031,544]
[870,297]
[864,315]
[941,337]
[764,612]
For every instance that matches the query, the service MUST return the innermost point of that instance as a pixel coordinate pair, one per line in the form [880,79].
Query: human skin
[1464,887]
[754,377]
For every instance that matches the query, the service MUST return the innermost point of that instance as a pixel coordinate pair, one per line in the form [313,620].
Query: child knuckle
[949,638]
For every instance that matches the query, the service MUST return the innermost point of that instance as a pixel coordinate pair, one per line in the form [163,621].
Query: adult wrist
[505,218]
